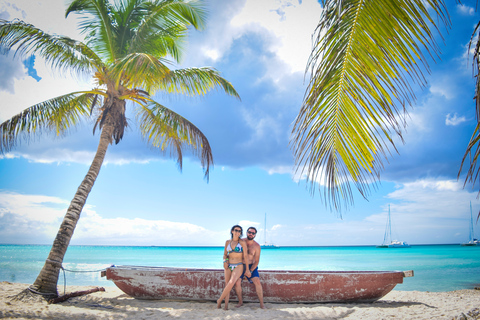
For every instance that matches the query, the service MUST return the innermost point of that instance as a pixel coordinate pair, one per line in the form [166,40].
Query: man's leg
[259,289]
[238,290]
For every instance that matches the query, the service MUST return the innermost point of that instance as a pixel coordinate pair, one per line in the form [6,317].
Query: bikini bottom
[232,266]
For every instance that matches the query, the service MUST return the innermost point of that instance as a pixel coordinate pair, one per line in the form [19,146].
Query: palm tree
[128,44]
[365,52]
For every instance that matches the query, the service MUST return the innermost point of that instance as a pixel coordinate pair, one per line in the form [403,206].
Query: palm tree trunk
[46,282]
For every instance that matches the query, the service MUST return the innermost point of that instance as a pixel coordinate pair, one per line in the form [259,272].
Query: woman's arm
[225,255]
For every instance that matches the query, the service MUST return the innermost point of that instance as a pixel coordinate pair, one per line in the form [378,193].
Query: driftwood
[75,294]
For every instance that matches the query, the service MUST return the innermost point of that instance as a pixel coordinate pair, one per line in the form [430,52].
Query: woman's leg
[235,275]
[238,291]
[228,273]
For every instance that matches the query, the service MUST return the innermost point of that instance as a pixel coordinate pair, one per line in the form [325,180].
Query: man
[253,255]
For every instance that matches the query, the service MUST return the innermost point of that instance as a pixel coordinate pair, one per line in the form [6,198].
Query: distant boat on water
[266,245]
[387,238]
[471,237]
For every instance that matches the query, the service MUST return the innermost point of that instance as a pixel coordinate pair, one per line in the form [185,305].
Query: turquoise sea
[436,267]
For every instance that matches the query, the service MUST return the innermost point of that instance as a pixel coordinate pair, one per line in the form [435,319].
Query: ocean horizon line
[221,246]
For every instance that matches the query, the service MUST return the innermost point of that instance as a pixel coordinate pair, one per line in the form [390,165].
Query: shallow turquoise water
[436,268]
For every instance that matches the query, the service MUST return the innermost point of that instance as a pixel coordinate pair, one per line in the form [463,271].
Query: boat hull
[278,286]
[469,244]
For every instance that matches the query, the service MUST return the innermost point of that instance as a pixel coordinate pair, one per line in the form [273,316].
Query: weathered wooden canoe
[278,286]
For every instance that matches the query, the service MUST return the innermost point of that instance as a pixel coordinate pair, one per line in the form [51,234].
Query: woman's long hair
[237,226]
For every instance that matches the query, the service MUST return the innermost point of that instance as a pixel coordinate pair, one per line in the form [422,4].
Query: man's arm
[256,259]
[245,256]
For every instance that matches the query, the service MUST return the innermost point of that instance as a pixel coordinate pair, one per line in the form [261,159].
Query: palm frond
[60,52]
[160,41]
[473,153]
[55,115]
[194,81]
[165,129]
[97,25]
[182,12]
[474,144]
[127,16]
[364,54]
[139,70]
[163,30]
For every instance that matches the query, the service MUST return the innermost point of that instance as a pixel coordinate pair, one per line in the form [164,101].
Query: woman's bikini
[238,249]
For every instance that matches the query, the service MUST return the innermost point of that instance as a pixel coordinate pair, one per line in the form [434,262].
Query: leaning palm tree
[128,44]
[365,54]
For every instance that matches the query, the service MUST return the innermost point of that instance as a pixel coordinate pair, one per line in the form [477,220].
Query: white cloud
[136,231]
[292,22]
[280,170]
[37,218]
[24,91]
[465,10]
[443,87]
[277,226]
[27,91]
[423,211]
[286,27]
[262,127]
[246,223]
[432,198]
[38,208]
[454,120]
[58,155]
[10,71]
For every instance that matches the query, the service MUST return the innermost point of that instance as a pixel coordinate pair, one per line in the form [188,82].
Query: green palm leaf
[140,70]
[473,149]
[194,81]
[364,55]
[60,52]
[163,30]
[165,129]
[55,115]
[97,26]
[145,71]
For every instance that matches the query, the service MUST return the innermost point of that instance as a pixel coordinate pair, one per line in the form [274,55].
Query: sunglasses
[236,230]
[250,232]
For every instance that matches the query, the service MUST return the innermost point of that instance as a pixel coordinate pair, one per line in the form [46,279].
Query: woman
[234,256]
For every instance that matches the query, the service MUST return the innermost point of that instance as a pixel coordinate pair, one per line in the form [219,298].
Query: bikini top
[238,248]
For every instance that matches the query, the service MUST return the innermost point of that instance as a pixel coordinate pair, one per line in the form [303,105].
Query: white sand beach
[114,304]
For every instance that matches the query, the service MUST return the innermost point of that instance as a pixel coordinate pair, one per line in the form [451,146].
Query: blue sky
[262,47]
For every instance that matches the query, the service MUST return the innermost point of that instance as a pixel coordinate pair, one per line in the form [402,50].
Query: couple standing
[240,259]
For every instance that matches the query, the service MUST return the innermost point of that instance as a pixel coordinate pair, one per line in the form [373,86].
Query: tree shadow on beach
[97,306]
[383,304]
[125,307]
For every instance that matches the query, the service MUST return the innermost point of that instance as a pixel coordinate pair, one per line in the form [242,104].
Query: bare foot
[239,304]
[226,306]
[262,306]
[219,304]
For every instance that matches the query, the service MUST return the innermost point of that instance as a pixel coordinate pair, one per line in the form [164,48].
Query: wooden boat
[278,286]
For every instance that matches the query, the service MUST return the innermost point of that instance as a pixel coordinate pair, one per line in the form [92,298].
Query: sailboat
[266,245]
[387,242]
[471,238]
